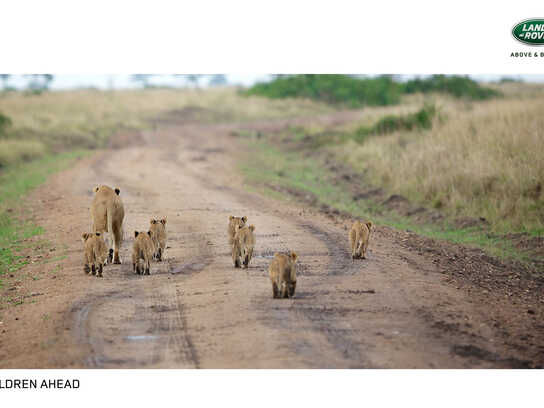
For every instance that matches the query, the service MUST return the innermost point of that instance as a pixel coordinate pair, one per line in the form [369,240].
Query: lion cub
[283,275]
[235,222]
[242,248]
[142,251]
[358,238]
[95,252]
[158,236]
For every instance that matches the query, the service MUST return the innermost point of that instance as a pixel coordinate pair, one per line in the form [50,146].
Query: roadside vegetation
[15,225]
[482,162]
[420,120]
[282,174]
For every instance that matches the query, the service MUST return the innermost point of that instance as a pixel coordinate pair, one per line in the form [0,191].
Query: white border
[273,388]
[240,36]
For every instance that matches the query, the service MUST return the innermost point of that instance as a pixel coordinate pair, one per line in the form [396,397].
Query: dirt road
[393,310]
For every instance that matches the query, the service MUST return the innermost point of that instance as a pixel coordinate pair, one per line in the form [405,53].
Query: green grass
[422,119]
[317,138]
[15,182]
[268,166]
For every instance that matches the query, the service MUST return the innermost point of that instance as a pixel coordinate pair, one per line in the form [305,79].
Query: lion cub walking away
[242,248]
[107,213]
[95,252]
[234,223]
[283,275]
[158,236]
[142,251]
[358,238]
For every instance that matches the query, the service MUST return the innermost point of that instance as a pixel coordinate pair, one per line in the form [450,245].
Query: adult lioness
[107,213]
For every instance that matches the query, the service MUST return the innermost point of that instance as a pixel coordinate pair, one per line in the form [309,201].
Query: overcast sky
[124,81]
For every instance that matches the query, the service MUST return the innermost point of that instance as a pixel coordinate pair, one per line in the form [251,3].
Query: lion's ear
[84,236]
[294,256]
[153,221]
[149,233]
[163,221]
[96,189]
[136,234]
[117,191]
[369,225]
[231,217]
[252,228]
[244,218]
[97,234]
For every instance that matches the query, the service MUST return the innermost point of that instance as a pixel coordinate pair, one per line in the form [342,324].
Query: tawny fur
[283,275]
[242,248]
[107,213]
[158,236]
[142,251]
[234,223]
[95,252]
[359,236]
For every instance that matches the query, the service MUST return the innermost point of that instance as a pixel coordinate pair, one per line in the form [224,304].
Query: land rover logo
[530,31]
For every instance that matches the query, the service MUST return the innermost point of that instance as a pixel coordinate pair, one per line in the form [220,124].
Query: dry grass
[67,120]
[485,160]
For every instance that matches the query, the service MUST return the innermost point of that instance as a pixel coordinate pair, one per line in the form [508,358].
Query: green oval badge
[530,31]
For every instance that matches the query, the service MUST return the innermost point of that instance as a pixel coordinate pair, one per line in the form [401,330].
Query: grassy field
[480,160]
[85,119]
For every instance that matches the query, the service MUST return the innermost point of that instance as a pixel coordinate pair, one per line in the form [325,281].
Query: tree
[218,80]
[47,79]
[4,78]
[39,82]
[189,78]
[193,79]
[142,78]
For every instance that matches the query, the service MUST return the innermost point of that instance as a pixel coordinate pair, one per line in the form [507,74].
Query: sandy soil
[397,309]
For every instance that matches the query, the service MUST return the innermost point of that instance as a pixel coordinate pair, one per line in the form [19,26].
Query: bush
[422,119]
[458,86]
[333,89]
[16,151]
[5,122]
